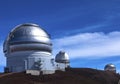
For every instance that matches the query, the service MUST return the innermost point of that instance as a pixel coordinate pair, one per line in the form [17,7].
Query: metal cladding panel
[16,61]
[29,47]
[40,62]
[61,66]
[25,39]
[30,63]
[16,64]
[37,72]
[29,29]
[28,33]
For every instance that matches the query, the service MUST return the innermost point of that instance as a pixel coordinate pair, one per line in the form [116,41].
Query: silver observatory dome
[110,67]
[62,57]
[28,33]
[31,36]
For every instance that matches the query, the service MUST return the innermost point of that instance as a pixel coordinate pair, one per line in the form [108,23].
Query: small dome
[110,67]
[62,57]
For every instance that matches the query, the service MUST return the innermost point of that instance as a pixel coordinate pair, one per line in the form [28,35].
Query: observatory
[110,67]
[28,47]
[62,60]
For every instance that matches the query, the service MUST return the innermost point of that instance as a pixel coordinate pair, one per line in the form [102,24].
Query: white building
[28,48]
[62,61]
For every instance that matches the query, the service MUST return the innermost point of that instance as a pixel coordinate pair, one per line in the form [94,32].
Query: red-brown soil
[70,76]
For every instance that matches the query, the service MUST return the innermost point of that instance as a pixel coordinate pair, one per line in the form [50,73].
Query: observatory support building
[62,61]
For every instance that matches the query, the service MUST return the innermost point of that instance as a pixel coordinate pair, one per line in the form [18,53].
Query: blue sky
[88,30]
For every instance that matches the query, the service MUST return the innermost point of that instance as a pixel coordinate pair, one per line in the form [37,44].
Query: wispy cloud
[91,45]
[88,28]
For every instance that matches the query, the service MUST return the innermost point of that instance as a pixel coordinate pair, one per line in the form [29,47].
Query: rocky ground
[70,76]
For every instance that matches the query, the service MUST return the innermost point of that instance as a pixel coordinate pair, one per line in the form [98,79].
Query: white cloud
[91,45]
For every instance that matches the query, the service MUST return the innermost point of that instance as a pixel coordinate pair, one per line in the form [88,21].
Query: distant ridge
[71,76]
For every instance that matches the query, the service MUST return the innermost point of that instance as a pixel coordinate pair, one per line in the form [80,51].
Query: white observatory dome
[110,67]
[34,38]
[62,57]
